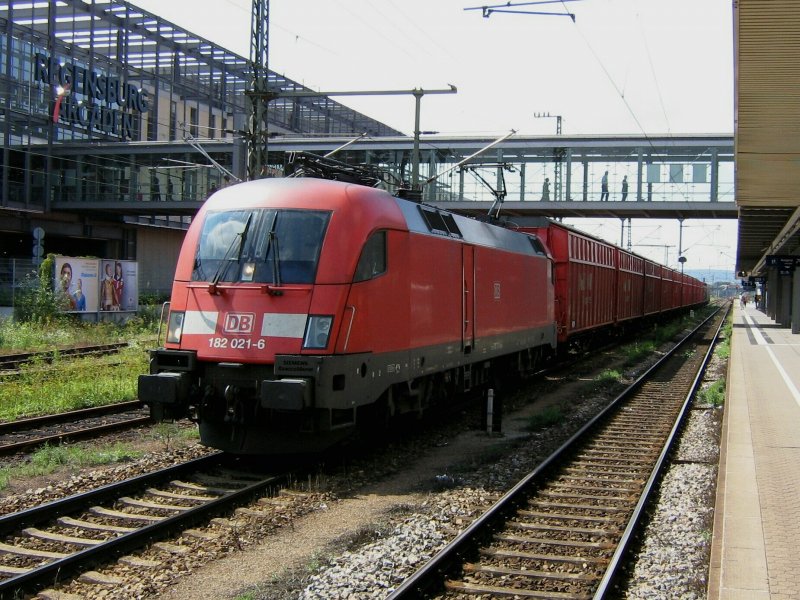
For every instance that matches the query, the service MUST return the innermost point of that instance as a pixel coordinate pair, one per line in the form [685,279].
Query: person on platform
[604,187]
[624,188]
[546,190]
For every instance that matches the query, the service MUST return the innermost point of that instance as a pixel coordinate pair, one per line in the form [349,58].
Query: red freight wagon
[684,292]
[677,292]
[630,286]
[652,287]
[677,289]
[585,278]
[701,294]
[667,289]
[694,291]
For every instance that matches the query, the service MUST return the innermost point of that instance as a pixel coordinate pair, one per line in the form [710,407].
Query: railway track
[54,541]
[10,363]
[27,434]
[563,530]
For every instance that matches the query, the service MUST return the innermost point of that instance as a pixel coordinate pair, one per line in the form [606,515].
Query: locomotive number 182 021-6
[236,343]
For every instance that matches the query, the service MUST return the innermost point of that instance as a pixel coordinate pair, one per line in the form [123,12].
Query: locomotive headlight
[175,327]
[318,330]
[248,270]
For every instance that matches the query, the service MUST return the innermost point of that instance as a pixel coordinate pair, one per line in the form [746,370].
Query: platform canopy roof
[767,130]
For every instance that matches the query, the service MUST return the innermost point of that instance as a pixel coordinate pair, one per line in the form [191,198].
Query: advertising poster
[130,273]
[119,286]
[77,281]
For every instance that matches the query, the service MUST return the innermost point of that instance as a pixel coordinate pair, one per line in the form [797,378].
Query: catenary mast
[258,98]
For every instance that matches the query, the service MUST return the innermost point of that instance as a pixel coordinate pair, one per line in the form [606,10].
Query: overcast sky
[624,66]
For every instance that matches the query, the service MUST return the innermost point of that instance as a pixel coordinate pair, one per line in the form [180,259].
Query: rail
[22,434]
[137,529]
[9,362]
[597,524]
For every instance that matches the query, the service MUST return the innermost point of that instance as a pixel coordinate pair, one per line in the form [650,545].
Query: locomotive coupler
[233,405]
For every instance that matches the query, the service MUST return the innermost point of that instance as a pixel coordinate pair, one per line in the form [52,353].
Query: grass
[660,334]
[723,349]
[169,433]
[713,394]
[637,351]
[70,384]
[551,415]
[609,376]
[665,333]
[16,336]
[51,458]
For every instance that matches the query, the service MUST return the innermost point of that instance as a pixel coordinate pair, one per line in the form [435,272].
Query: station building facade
[100,100]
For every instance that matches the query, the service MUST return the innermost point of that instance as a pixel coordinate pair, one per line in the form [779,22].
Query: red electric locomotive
[301,307]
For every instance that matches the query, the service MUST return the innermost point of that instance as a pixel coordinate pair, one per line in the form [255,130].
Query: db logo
[239,323]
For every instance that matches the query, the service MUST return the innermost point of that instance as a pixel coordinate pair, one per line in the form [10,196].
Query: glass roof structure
[116,37]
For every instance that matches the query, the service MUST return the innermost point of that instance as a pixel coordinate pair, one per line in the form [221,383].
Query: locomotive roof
[422,218]
[419,218]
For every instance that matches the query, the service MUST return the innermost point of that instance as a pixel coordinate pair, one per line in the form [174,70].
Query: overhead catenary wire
[512,8]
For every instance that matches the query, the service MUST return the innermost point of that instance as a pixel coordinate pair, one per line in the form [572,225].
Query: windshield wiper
[272,246]
[276,269]
[222,269]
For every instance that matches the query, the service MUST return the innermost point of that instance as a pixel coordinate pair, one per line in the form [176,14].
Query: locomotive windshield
[263,246]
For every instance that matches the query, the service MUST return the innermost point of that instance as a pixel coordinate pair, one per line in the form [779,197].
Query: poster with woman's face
[118,285]
[76,279]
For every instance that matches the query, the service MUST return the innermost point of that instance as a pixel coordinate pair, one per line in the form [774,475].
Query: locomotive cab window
[373,258]
[537,246]
[262,246]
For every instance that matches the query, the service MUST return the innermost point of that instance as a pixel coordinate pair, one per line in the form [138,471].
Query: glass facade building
[79,75]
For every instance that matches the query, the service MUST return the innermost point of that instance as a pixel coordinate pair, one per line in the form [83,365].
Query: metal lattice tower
[558,156]
[258,98]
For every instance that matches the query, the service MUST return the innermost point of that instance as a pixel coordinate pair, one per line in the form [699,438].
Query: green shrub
[608,376]
[713,394]
[37,302]
[153,299]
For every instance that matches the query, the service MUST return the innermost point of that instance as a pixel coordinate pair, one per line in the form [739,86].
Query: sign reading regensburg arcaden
[91,100]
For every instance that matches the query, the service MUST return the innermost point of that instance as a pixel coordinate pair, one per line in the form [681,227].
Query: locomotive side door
[468,298]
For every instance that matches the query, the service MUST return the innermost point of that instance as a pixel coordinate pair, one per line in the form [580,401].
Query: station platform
[756,540]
